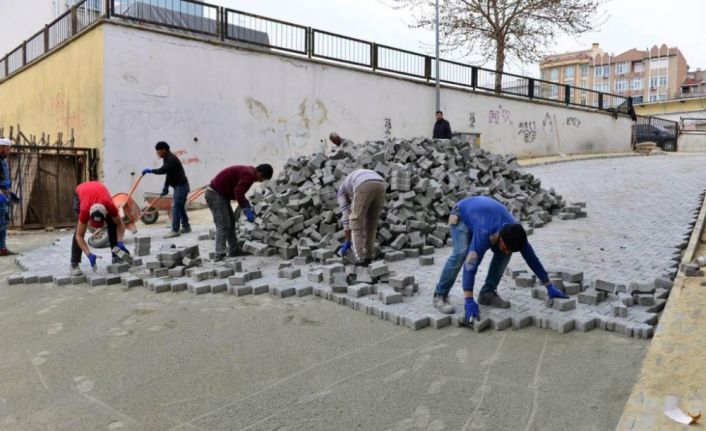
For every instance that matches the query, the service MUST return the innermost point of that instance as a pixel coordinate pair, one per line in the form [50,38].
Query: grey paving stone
[260,288]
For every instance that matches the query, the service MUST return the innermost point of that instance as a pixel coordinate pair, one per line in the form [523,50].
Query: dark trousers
[179,217]
[224,219]
[76,251]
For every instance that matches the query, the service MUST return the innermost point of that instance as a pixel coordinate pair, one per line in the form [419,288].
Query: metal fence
[692,124]
[227,24]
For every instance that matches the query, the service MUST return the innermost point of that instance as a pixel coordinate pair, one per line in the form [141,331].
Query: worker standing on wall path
[176,178]
[231,184]
[477,224]
[361,197]
[5,195]
[442,128]
[95,207]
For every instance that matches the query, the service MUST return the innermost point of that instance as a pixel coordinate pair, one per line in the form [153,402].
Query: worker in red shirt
[231,184]
[95,207]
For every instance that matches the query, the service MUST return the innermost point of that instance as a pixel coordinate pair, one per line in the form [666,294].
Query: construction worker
[442,128]
[5,194]
[95,207]
[231,184]
[176,178]
[361,197]
[336,140]
[478,224]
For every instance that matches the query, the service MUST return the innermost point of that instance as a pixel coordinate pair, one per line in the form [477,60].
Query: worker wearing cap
[176,178]
[361,197]
[479,224]
[5,195]
[231,184]
[336,140]
[95,207]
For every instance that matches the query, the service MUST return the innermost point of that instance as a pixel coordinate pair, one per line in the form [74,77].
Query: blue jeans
[179,217]
[461,237]
[4,219]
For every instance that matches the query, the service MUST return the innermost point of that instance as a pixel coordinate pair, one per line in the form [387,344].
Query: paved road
[98,358]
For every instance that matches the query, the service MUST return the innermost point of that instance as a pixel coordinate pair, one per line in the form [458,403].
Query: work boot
[172,234]
[364,263]
[76,271]
[492,299]
[185,229]
[442,304]
[6,252]
[236,253]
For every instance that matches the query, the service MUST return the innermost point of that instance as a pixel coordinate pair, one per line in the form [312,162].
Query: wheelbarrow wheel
[150,217]
[99,240]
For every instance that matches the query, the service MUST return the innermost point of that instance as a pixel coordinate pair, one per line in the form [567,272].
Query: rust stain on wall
[257,108]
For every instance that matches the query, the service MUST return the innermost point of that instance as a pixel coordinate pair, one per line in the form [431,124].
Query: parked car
[665,139]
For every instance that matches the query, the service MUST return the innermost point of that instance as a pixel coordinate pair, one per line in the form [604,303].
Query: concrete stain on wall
[257,109]
[303,115]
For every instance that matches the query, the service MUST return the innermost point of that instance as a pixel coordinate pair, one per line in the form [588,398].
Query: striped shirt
[344,196]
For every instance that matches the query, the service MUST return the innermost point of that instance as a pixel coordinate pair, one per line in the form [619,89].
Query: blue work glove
[249,214]
[92,258]
[14,198]
[5,184]
[146,171]
[471,311]
[165,192]
[345,247]
[122,247]
[3,198]
[554,292]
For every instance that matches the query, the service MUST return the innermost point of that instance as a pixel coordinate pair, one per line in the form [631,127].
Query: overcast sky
[627,24]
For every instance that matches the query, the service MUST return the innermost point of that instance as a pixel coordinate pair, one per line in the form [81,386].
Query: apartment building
[647,75]
[695,84]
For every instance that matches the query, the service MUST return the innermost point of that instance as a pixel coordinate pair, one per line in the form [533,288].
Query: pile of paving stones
[426,178]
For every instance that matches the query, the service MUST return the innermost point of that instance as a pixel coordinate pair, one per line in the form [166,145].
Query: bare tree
[522,29]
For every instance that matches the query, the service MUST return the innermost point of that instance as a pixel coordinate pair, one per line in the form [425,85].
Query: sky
[626,24]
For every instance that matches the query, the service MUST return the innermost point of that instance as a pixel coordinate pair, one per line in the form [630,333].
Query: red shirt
[233,182]
[94,192]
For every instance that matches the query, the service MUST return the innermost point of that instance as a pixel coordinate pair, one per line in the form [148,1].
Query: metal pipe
[438,88]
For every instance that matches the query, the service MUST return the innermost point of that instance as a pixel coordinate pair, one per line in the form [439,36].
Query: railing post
[600,100]
[7,67]
[24,53]
[46,39]
[73,21]
[630,106]
[474,77]
[567,94]
[222,26]
[427,67]
[530,88]
[374,55]
[309,42]
[108,8]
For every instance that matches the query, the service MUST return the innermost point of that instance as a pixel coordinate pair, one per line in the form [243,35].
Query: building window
[663,81]
[658,63]
[621,85]
[603,87]
[638,67]
[554,91]
[657,97]
[554,74]
[622,68]
[637,99]
[601,71]
[658,81]
[569,74]
[584,70]
[637,84]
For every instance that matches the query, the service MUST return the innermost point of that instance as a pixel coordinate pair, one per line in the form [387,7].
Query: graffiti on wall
[547,124]
[472,120]
[186,158]
[499,116]
[528,130]
[573,121]
[388,127]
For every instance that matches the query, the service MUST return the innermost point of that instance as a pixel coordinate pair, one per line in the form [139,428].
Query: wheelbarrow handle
[132,190]
[150,205]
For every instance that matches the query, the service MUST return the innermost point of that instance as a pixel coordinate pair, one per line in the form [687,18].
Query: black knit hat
[514,236]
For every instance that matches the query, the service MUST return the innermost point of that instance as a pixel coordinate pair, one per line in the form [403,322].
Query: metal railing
[193,16]
[692,124]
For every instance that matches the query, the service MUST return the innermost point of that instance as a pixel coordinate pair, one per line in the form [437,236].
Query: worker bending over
[478,224]
[361,197]
[231,184]
[95,207]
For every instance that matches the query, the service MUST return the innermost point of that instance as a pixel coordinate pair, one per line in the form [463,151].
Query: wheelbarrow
[156,203]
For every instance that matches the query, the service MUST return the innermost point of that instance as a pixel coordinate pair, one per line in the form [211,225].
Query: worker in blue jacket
[479,224]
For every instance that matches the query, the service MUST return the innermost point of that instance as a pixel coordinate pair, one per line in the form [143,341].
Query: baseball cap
[97,215]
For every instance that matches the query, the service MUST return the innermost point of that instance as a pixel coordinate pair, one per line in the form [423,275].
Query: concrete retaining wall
[692,142]
[219,106]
